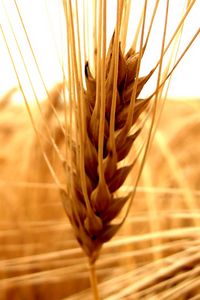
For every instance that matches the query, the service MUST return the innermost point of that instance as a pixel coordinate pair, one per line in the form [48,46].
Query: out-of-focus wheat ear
[52,171]
[5,99]
[52,97]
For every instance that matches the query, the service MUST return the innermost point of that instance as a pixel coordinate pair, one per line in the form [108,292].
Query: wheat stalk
[106,116]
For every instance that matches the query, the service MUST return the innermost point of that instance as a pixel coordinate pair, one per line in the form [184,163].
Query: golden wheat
[44,260]
[103,117]
[92,224]
[105,128]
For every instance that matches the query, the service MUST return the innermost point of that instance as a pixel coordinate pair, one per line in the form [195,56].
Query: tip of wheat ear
[94,227]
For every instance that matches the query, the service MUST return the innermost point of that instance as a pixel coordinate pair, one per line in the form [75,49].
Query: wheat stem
[93,281]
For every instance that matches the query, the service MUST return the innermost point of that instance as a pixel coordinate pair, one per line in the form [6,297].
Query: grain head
[105,172]
[103,116]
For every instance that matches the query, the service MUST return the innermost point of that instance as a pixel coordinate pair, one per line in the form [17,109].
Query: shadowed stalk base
[93,281]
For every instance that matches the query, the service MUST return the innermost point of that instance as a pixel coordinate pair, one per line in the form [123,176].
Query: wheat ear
[104,206]
[104,114]
[108,113]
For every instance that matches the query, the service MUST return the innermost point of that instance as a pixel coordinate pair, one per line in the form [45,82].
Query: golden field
[156,253]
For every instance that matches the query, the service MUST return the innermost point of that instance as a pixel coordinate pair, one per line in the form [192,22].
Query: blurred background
[156,253]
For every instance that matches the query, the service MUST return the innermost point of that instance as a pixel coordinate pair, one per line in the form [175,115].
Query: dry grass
[90,138]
